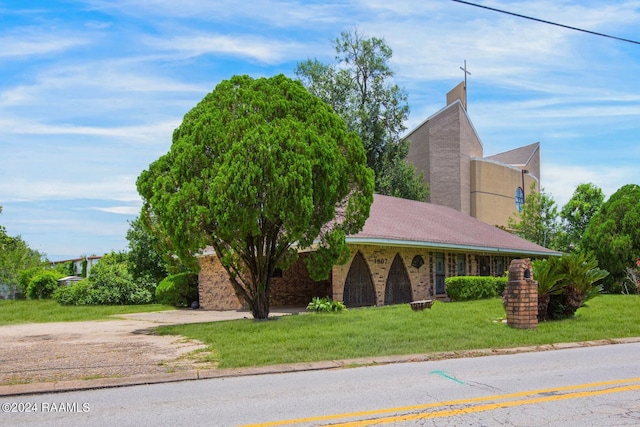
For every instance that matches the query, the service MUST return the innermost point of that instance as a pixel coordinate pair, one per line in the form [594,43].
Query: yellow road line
[489,407]
[450,412]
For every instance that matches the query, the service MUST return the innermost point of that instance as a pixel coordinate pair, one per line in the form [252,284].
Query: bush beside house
[179,290]
[466,288]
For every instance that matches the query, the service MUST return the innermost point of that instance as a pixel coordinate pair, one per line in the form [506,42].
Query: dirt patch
[128,346]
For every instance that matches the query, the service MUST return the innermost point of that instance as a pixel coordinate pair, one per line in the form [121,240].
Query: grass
[396,330]
[42,311]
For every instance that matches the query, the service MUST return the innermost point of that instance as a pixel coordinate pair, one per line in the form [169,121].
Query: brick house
[404,252]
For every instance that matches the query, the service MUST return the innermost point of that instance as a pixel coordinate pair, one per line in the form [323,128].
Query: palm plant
[581,275]
[549,276]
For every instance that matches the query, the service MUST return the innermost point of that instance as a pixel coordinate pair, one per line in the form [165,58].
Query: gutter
[409,243]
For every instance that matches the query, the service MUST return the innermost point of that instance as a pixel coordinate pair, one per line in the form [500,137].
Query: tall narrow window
[500,265]
[519,199]
[462,264]
[398,288]
[358,288]
[440,275]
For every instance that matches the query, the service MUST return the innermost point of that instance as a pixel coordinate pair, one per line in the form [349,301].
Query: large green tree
[613,235]
[15,256]
[538,220]
[577,213]
[359,88]
[258,170]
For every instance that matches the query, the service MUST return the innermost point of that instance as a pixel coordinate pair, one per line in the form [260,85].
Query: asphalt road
[591,386]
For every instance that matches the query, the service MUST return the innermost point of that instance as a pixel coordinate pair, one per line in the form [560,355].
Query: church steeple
[464,101]
[460,91]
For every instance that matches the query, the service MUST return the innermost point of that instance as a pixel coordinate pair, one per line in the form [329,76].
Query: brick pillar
[522,296]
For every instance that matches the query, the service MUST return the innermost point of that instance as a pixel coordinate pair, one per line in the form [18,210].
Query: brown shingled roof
[395,221]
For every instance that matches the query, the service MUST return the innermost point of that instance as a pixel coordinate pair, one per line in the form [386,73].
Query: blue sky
[91,90]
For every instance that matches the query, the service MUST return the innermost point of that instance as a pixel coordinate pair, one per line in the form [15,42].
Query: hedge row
[467,288]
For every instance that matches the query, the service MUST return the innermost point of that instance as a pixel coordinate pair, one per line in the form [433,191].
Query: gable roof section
[455,104]
[520,156]
[401,222]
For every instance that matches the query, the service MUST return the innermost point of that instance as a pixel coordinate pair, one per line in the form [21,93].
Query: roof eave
[416,244]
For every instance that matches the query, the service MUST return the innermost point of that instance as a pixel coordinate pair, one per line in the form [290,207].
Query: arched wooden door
[358,288]
[398,288]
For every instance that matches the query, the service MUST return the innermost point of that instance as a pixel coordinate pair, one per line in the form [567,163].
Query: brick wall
[294,288]
[521,296]
[216,291]
[380,258]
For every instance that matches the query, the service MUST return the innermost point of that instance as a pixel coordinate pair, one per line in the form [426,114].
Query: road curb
[191,375]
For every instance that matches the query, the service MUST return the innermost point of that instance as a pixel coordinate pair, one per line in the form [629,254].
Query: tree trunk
[260,305]
[573,299]
[543,306]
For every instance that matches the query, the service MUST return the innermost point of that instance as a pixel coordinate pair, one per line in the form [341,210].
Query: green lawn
[42,311]
[396,330]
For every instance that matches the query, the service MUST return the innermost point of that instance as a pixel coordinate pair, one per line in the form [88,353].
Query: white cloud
[121,210]
[257,48]
[561,180]
[117,188]
[26,45]
[151,132]
[274,13]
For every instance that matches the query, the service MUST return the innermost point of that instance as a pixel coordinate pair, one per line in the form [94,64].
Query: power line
[547,22]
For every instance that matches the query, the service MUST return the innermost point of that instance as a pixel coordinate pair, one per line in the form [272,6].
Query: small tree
[145,262]
[577,213]
[538,221]
[258,170]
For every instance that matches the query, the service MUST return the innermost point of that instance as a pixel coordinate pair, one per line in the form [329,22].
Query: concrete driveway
[125,347]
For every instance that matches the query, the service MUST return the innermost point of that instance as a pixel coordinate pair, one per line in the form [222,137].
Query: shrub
[501,284]
[466,288]
[110,283]
[325,304]
[113,284]
[43,284]
[25,277]
[79,293]
[579,285]
[179,290]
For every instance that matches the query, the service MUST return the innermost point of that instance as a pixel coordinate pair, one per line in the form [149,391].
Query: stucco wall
[493,191]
